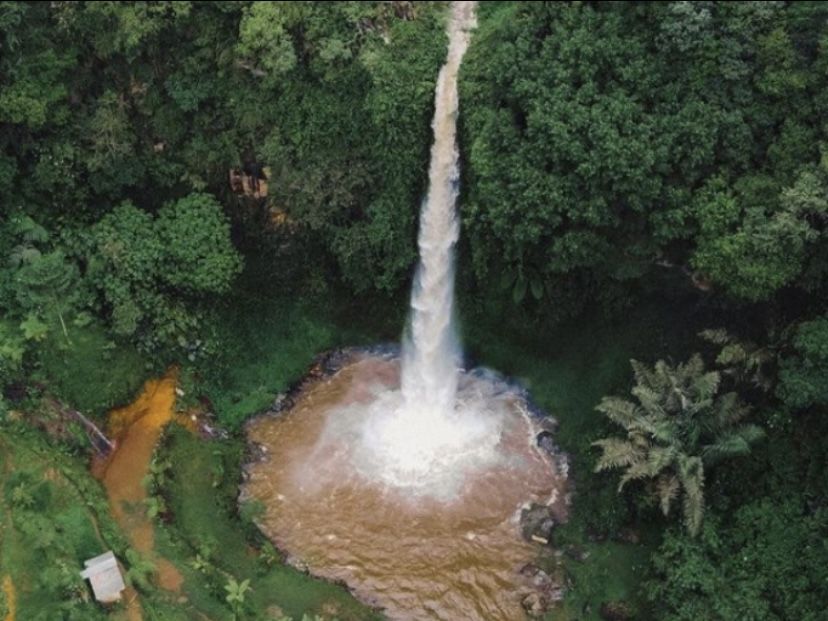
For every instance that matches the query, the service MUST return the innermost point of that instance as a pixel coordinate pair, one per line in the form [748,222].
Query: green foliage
[767,563]
[601,140]
[199,257]
[54,517]
[236,594]
[92,374]
[140,570]
[803,377]
[770,244]
[264,40]
[154,272]
[680,425]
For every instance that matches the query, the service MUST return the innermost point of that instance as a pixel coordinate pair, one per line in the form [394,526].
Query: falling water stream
[404,476]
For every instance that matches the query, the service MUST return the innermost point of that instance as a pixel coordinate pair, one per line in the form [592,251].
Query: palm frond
[691,475]
[660,457]
[667,488]
[706,385]
[634,472]
[729,410]
[734,442]
[617,453]
[650,400]
[716,336]
[624,413]
[642,373]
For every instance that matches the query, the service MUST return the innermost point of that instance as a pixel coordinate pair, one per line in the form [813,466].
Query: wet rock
[538,578]
[616,611]
[535,605]
[542,581]
[555,594]
[550,424]
[258,452]
[546,441]
[281,403]
[537,522]
[297,563]
[529,570]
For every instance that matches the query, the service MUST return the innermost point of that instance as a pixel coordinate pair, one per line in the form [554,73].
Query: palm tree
[679,426]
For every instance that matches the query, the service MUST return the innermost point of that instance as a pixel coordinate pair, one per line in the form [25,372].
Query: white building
[105,577]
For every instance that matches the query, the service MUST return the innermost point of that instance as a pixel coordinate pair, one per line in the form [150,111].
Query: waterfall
[430,350]
[438,425]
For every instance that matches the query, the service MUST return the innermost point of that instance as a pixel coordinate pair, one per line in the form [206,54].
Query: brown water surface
[412,554]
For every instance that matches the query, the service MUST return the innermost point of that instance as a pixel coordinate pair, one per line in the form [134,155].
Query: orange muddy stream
[415,556]
[136,429]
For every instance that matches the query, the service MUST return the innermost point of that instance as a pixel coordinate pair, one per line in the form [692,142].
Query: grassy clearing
[265,343]
[212,544]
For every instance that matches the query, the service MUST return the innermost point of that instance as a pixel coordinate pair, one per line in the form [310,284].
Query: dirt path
[136,429]
[11,597]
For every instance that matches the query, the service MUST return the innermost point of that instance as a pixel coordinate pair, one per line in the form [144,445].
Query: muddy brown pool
[413,554]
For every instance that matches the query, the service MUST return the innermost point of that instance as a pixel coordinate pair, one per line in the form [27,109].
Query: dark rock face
[546,441]
[537,521]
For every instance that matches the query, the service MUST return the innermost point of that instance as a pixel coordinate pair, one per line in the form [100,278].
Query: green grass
[611,573]
[266,343]
[91,373]
[202,496]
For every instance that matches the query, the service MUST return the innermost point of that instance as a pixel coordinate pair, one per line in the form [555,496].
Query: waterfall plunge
[430,352]
[437,427]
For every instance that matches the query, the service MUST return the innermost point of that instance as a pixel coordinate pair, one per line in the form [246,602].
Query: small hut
[105,577]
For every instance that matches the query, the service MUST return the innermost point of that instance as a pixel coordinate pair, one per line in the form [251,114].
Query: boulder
[534,604]
[537,521]
[546,441]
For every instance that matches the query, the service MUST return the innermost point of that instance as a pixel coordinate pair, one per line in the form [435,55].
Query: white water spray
[440,425]
[430,352]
